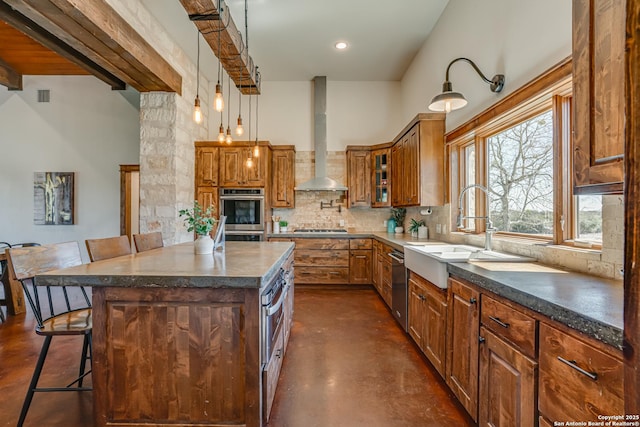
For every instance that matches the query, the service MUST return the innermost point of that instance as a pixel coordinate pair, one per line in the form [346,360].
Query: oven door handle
[275,307]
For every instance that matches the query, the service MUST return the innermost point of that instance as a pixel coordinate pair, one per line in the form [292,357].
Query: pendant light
[221,136]
[239,128]
[256,147]
[228,139]
[218,101]
[197,113]
[250,158]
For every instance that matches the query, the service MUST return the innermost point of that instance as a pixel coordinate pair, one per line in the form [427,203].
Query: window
[521,152]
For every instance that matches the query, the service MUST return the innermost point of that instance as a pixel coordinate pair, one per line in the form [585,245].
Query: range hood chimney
[321,182]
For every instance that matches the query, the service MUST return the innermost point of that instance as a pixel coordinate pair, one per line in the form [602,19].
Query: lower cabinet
[427,319]
[321,261]
[578,381]
[384,273]
[463,325]
[507,384]
[360,261]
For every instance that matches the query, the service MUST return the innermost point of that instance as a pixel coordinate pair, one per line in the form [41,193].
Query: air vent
[44,95]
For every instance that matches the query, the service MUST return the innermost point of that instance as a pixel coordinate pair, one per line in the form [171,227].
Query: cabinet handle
[473,300]
[499,322]
[334,272]
[481,339]
[573,364]
[279,353]
[360,256]
[422,297]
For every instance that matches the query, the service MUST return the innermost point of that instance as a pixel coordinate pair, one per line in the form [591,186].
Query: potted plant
[201,221]
[415,225]
[398,214]
[284,226]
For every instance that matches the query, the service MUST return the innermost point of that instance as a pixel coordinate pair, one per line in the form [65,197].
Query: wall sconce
[449,100]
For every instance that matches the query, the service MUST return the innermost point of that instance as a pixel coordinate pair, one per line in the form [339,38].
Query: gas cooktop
[320,230]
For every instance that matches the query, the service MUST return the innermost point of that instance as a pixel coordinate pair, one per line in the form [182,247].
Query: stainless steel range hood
[321,182]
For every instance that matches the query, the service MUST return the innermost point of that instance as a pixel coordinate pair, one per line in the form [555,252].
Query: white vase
[399,230]
[284,229]
[423,232]
[203,245]
[276,227]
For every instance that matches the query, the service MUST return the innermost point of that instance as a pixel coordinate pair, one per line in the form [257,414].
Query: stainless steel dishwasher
[399,288]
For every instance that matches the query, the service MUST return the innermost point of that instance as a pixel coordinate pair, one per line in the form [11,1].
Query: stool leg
[34,379]
[83,359]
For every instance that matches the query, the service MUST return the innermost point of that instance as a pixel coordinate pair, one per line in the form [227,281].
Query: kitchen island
[177,337]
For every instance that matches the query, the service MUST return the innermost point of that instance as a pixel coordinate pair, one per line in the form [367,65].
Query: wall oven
[244,209]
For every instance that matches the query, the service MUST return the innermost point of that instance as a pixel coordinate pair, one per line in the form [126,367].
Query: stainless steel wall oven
[245,211]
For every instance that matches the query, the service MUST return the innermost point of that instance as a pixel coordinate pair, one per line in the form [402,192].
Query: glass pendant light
[218,101]
[239,128]
[228,139]
[256,147]
[249,162]
[197,113]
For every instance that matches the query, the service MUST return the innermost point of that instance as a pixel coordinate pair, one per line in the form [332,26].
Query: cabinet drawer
[321,243]
[360,244]
[577,381]
[509,324]
[271,373]
[386,272]
[321,275]
[311,257]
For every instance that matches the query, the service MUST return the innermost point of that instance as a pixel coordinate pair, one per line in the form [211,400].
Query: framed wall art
[53,198]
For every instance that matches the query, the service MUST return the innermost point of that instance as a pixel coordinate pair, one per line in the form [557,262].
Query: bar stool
[74,318]
[148,241]
[109,247]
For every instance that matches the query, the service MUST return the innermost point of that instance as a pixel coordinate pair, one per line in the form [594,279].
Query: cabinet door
[359,178]
[411,167]
[254,176]
[374,265]
[381,178]
[206,166]
[282,194]
[435,327]
[462,332]
[598,94]
[360,267]
[208,196]
[231,166]
[416,311]
[507,384]
[397,184]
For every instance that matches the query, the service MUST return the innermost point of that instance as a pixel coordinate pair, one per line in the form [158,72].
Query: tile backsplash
[607,262]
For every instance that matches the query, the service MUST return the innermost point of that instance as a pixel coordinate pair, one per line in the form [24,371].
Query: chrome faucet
[489,228]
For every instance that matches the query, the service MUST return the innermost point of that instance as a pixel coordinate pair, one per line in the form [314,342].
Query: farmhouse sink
[430,262]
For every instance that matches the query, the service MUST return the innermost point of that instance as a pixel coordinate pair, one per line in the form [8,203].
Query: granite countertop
[589,304]
[240,265]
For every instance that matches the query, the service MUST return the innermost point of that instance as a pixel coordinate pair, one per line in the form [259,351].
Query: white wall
[86,128]
[517,38]
[358,113]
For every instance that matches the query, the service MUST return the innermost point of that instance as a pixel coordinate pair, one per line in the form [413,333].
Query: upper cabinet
[359,177]
[206,166]
[418,163]
[381,177]
[234,171]
[598,93]
[283,163]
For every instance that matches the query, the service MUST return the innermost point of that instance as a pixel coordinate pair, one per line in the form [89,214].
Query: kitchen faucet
[489,228]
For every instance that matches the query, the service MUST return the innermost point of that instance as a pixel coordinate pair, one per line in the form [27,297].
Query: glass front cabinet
[381,168]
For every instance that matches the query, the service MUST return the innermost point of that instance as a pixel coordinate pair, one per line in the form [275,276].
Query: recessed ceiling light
[341,45]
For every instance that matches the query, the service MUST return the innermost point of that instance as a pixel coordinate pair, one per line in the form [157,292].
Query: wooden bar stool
[109,247]
[148,241]
[53,316]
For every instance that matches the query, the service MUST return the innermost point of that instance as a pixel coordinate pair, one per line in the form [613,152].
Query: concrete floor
[348,364]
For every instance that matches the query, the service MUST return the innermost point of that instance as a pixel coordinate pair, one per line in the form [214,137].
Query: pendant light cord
[198,67]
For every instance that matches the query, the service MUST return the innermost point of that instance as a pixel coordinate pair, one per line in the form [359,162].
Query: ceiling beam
[96,31]
[10,77]
[48,40]
[222,35]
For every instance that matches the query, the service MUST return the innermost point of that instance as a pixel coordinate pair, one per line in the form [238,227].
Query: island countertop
[240,265]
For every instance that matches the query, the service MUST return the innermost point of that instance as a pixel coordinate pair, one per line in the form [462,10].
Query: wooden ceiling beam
[10,77]
[48,40]
[222,35]
[96,31]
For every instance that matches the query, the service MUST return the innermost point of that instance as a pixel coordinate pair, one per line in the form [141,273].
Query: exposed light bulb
[228,140]
[239,129]
[250,162]
[256,150]
[197,113]
[221,136]
[218,101]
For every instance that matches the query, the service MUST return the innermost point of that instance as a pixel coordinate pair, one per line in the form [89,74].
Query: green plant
[283,223]
[198,219]
[415,224]
[398,215]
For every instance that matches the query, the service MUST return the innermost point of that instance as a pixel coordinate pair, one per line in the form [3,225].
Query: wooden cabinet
[463,324]
[427,319]
[321,261]
[381,178]
[360,261]
[384,272]
[507,384]
[234,171]
[598,95]
[375,275]
[359,177]
[207,166]
[577,380]
[508,370]
[283,178]
[417,158]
